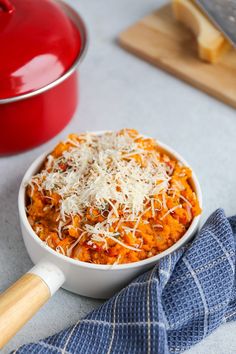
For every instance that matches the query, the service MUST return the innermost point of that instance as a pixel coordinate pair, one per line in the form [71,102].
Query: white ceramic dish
[81,277]
[55,270]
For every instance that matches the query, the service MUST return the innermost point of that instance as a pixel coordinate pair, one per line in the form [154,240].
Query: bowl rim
[154,259]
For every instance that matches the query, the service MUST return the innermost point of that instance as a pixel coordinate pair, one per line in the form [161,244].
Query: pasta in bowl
[111,198]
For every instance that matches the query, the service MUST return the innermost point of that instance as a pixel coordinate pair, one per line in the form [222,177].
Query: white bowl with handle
[53,270]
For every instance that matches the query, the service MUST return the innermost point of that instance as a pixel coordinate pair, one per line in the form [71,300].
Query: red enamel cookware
[41,45]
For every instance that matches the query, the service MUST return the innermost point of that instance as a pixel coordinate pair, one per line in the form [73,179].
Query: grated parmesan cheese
[101,171]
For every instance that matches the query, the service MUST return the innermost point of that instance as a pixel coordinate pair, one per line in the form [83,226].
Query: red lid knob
[6,6]
[39,42]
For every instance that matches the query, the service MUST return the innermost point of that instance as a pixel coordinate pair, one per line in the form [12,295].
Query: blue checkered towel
[166,310]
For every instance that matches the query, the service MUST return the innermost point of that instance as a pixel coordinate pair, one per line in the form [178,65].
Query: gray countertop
[119,90]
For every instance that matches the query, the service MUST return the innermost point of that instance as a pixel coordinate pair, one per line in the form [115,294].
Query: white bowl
[97,281]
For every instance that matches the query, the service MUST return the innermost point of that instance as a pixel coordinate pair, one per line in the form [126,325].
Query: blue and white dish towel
[166,310]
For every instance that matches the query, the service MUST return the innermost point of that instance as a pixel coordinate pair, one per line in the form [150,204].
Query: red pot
[41,45]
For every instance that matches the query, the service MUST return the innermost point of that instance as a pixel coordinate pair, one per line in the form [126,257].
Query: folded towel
[166,310]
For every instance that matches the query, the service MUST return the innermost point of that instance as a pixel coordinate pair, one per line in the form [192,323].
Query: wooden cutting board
[162,41]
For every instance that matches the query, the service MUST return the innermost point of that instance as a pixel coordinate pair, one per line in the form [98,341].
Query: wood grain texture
[164,42]
[19,303]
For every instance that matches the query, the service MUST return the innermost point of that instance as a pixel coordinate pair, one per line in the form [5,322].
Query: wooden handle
[19,303]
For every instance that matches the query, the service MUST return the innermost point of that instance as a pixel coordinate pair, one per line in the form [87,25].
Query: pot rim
[182,241]
[81,26]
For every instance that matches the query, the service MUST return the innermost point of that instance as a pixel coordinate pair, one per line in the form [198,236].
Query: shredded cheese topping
[100,172]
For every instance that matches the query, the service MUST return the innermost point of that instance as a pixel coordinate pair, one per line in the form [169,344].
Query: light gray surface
[119,90]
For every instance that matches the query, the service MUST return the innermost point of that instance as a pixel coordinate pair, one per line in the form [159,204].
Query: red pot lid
[39,43]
